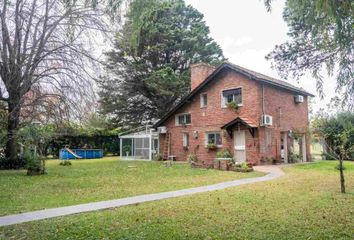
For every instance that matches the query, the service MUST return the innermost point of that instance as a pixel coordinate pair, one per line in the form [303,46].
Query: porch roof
[244,121]
[250,125]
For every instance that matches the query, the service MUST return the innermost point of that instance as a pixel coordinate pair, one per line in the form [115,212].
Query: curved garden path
[273,172]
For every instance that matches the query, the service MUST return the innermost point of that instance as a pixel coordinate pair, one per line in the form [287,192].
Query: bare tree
[46,46]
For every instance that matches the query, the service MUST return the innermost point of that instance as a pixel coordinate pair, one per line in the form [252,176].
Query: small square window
[214,138]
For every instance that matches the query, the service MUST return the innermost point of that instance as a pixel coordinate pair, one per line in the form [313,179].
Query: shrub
[158,157]
[223,154]
[243,167]
[34,163]
[65,163]
[328,156]
[192,158]
[6,164]
[293,157]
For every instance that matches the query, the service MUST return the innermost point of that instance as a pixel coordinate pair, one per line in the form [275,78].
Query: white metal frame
[148,133]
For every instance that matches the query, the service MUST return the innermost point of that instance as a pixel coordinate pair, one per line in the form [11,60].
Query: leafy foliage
[192,158]
[223,154]
[338,133]
[321,38]
[149,65]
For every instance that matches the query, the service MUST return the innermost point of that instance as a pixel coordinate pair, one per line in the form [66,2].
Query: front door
[240,145]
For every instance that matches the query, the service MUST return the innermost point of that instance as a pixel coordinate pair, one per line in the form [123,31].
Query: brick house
[268,120]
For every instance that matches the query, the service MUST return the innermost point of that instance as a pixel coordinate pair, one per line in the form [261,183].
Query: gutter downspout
[263,111]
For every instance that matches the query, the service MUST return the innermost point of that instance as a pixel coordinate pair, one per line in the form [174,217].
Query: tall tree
[149,65]
[321,40]
[43,46]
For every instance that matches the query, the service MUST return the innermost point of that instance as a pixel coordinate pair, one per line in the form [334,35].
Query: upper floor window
[203,100]
[183,119]
[232,95]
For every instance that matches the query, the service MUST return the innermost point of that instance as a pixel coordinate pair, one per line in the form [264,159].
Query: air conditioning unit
[266,120]
[162,129]
[299,99]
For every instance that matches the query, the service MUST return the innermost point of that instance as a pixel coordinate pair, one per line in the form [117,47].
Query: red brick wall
[213,117]
[287,115]
[199,72]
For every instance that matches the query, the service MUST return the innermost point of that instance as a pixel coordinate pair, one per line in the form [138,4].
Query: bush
[293,157]
[223,154]
[158,157]
[65,163]
[328,156]
[243,167]
[6,164]
[34,163]
[192,158]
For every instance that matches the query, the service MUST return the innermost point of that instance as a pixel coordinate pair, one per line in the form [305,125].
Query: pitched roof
[243,120]
[244,71]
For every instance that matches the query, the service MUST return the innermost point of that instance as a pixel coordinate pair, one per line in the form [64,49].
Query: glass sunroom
[139,145]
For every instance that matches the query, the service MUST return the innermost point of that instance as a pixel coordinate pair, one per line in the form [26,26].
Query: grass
[303,204]
[96,180]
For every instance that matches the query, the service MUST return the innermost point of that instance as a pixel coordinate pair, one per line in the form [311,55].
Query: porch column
[285,146]
[120,147]
[150,145]
[303,148]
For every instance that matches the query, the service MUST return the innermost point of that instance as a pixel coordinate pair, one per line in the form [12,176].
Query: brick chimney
[199,72]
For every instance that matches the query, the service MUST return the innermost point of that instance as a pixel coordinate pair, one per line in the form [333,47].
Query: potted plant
[223,160]
[211,146]
[127,150]
[233,106]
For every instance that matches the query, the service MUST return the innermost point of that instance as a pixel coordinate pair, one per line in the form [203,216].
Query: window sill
[241,105]
[183,125]
[217,146]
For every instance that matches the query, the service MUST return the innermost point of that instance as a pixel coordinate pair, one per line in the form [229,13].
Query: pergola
[143,144]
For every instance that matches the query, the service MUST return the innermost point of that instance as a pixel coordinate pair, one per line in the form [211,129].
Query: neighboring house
[270,122]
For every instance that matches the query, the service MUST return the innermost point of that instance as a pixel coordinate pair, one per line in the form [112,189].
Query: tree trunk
[342,185]
[13,121]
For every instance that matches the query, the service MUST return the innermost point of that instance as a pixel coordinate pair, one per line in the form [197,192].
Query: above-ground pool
[66,153]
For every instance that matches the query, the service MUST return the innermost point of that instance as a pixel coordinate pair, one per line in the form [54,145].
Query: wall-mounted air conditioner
[299,99]
[162,129]
[266,120]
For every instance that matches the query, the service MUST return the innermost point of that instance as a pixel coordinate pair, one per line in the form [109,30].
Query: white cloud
[229,42]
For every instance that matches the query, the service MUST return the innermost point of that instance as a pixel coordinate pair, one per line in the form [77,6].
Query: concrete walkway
[273,172]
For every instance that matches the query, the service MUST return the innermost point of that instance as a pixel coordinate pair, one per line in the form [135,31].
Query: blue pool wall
[83,153]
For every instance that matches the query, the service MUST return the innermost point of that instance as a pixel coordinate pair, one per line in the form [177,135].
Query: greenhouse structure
[143,144]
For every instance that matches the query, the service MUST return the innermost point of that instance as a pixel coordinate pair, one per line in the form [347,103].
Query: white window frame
[185,139]
[223,100]
[178,115]
[202,104]
[207,137]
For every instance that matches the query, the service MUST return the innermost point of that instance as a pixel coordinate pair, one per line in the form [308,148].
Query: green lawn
[304,204]
[96,180]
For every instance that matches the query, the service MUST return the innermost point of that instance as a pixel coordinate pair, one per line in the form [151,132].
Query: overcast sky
[247,32]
